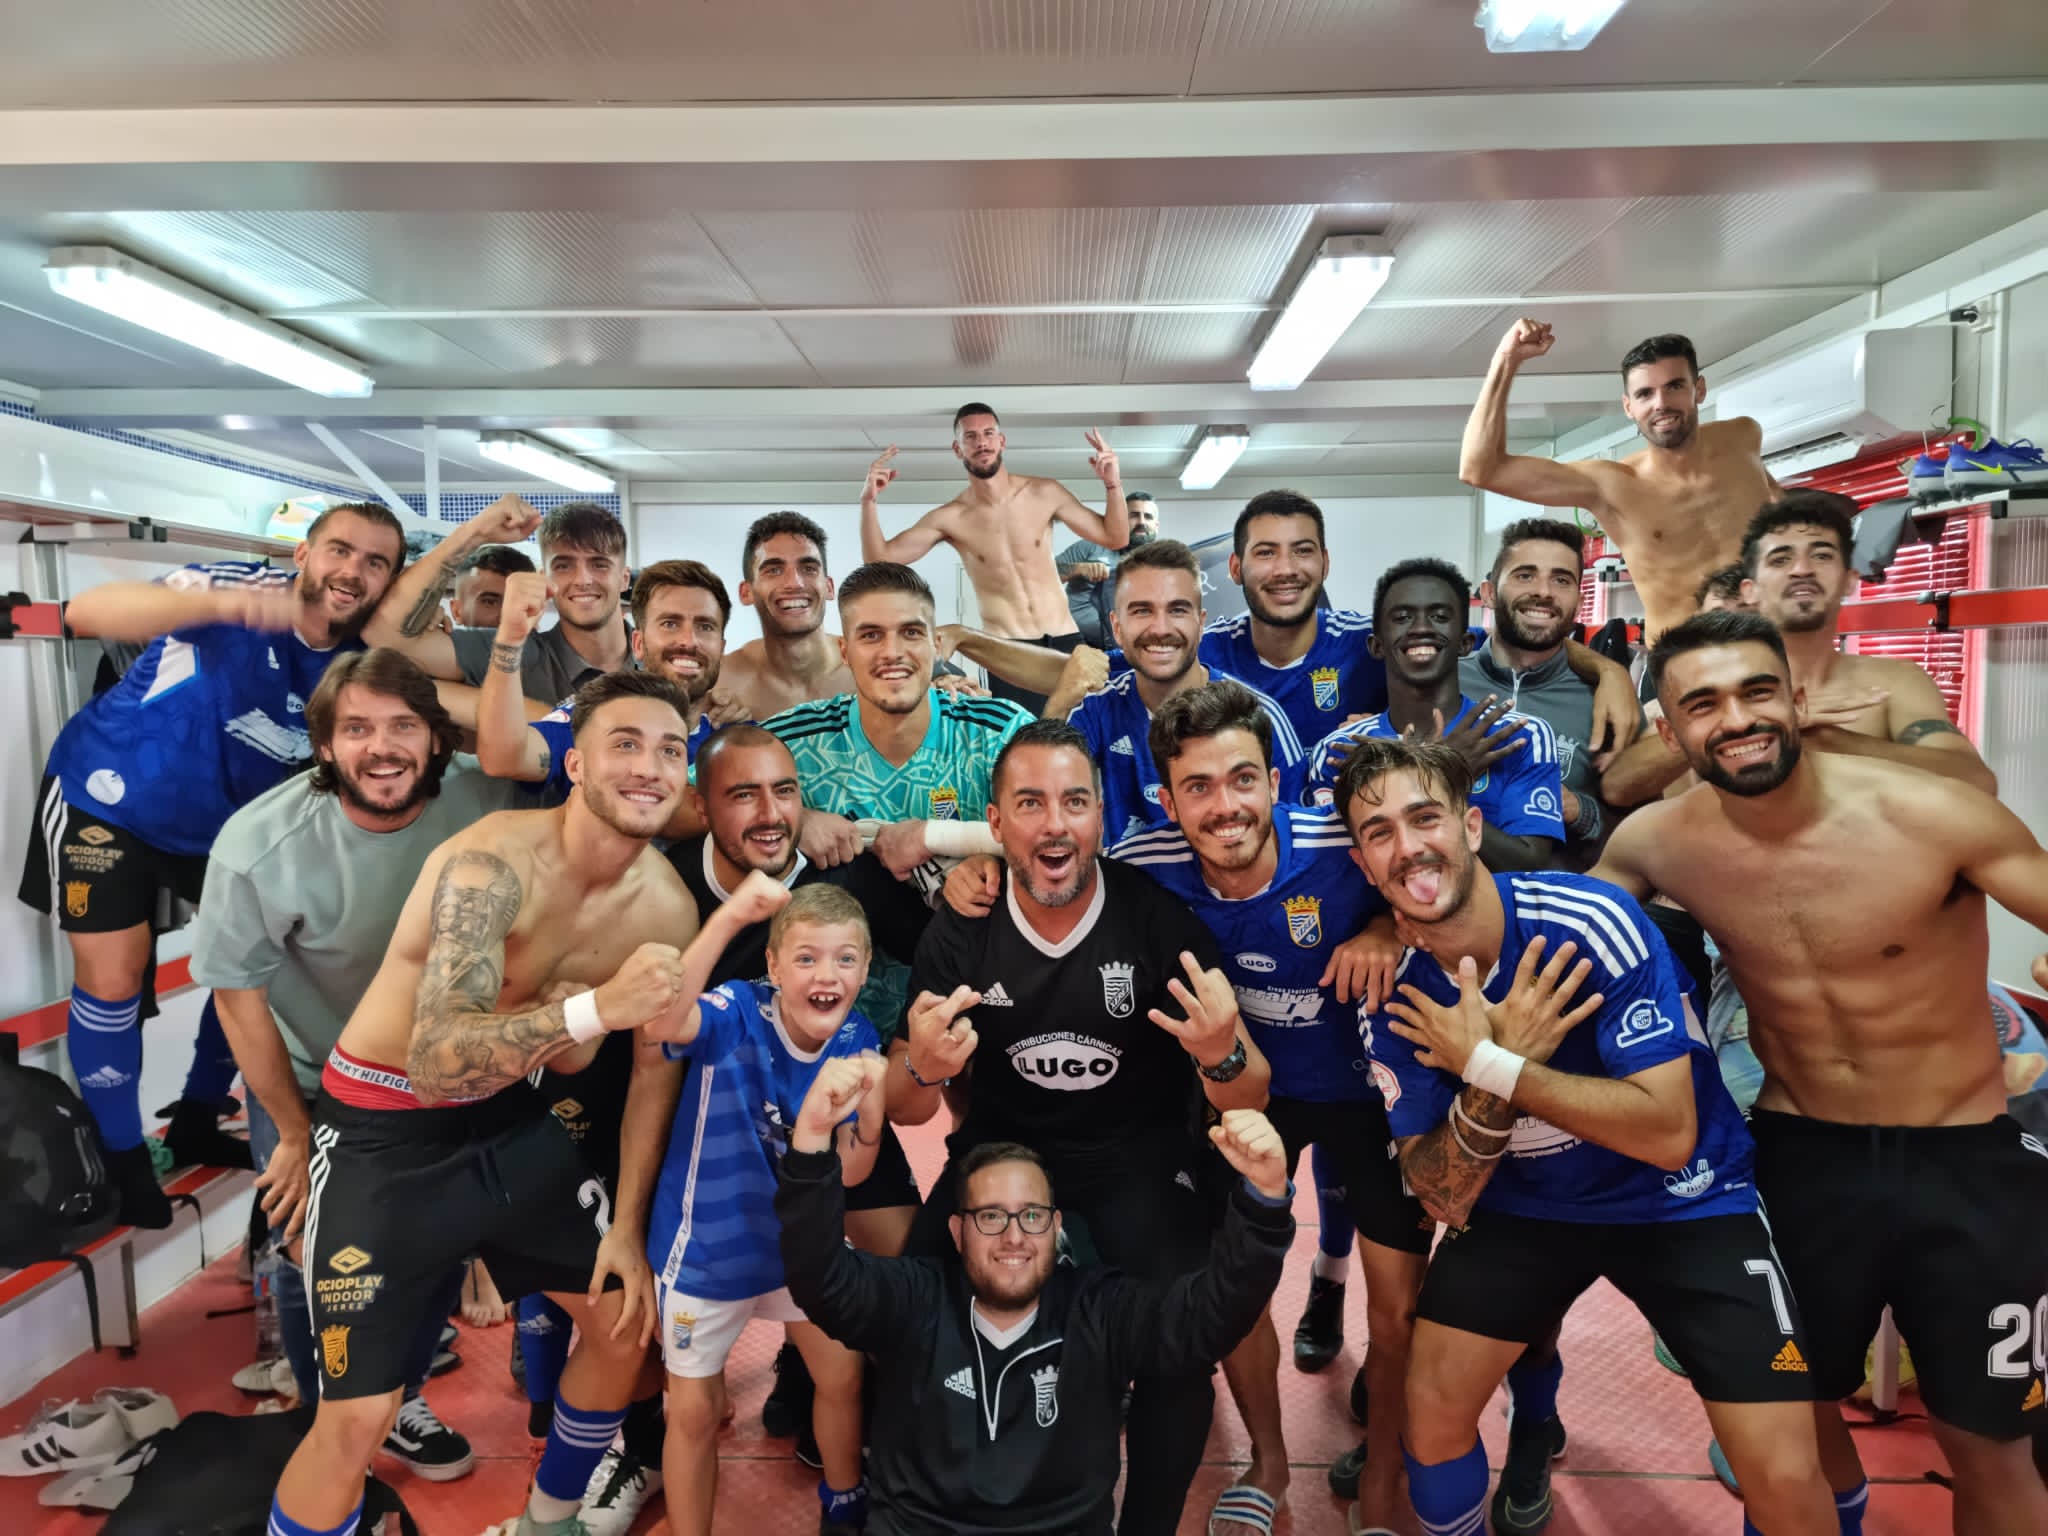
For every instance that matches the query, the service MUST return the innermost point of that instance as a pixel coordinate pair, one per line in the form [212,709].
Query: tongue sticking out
[1423,882]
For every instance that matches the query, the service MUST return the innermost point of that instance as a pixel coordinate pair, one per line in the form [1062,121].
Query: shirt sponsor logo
[1304,920]
[1152,793]
[105,786]
[1258,964]
[945,804]
[1538,1138]
[1045,1394]
[1118,989]
[348,1261]
[1064,1061]
[962,1381]
[1281,1007]
[1322,686]
[1642,1022]
[1691,1184]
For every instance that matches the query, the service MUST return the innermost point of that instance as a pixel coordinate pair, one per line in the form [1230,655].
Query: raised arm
[406,619]
[1484,460]
[507,745]
[1111,527]
[142,611]
[1018,662]
[914,542]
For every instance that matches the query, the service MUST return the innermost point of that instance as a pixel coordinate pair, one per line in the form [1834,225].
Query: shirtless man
[783,575]
[428,1146]
[1676,510]
[1001,526]
[1847,896]
[1795,560]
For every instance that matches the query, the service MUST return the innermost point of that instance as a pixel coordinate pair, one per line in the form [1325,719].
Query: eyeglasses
[994,1221]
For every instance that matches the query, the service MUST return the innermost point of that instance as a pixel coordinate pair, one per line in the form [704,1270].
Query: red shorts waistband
[367,1085]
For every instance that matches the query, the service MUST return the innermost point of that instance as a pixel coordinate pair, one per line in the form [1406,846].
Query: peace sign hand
[1103,460]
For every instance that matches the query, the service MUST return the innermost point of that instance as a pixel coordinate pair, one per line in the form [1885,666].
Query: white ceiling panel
[970,351]
[668,350]
[219,250]
[46,356]
[1177,349]
[1235,253]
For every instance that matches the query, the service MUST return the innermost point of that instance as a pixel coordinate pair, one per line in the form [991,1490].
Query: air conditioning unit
[1826,405]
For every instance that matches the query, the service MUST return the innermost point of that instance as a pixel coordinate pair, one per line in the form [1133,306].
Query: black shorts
[591,1105]
[1947,1226]
[95,877]
[1035,702]
[1711,1287]
[1355,1137]
[403,1196]
[891,1185]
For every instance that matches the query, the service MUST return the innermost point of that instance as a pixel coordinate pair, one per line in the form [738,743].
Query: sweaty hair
[394,675]
[975,408]
[600,691]
[1726,583]
[1703,631]
[883,576]
[1274,504]
[733,738]
[1423,565]
[1161,555]
[1040,733]
[497,560]
[774,525]
[1656,349]
[819,905]
[1530,530]
[370,512]
[1441,768]
[1208,711]
[664,574]
[583,525]
[987,1154]
[1800,509]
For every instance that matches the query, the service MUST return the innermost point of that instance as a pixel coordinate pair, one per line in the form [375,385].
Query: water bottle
[269,1341]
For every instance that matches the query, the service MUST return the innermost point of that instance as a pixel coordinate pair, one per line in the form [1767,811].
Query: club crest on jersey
[334,1350]
[1118,989]
[76,894]
[1304,920]
[1045,1390]
[1323,687]
[945,804]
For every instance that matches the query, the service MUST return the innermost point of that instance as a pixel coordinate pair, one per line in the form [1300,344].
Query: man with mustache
[142,778]
[1847,896]
[1419,631]
[1001,526]
[1062,977]
[1568,1123]
[1089,570]
[1676,510]
[1275,883]
[303,890]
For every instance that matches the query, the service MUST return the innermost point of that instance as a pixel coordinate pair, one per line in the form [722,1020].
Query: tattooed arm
[507,745]
[1445,1177]
[405,620]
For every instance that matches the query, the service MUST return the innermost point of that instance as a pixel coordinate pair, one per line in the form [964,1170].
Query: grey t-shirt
[302,901]
[549,671]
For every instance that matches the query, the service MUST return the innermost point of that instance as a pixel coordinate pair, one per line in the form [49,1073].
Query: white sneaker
[254,1378]
[101,1490]
[78,1437]
[282,1381]
[618,1489]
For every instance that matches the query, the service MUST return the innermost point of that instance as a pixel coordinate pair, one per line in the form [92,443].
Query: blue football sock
[105,1042]
[213,1061]
[544,1344]
[1450,1496]
[1332,1214]
[282,1524]
[1849,1508]
[577,1442]
[844,1506]
[1534,1388]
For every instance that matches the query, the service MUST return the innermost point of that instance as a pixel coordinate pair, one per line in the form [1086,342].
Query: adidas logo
[962,1381]
[1122,747]
[995,997]
[2034,1398]
[1789,1359]
[105,1077]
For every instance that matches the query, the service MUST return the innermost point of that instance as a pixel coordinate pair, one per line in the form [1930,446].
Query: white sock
[1329,1266]
[546,1509]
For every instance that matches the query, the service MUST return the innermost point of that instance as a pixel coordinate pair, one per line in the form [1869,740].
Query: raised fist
[1249,1144]
[1526,339]
[272,610]
[1086,670]
[880,473]
[526,598]
[835,1093]
[759,898]
[505,521]
[645,988]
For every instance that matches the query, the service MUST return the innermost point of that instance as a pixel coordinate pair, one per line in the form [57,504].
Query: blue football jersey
[554,730]
[1118,726]
[1644,1021]
[205,720]
[712,1231]
[1277,944]
[1335,679]
[1522,794]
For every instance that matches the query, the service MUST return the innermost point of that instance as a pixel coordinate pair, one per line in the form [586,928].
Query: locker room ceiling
[793,233]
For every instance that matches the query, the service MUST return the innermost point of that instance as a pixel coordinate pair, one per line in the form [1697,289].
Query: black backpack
[214,1475]
[56,1194]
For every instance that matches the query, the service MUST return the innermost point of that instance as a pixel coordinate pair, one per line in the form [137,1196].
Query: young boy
[713,1238]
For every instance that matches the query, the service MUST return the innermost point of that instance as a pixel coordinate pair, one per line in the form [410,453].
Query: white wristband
[1493,1070]
[579,1018]
[957,839]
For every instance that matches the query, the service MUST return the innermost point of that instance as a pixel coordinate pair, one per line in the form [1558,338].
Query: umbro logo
[1122,747]
[962,1381]
[1789,1359]
[996,997]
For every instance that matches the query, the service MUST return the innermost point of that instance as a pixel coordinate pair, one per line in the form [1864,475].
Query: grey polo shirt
[549,672]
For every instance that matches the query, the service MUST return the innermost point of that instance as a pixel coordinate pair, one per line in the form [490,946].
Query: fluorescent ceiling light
[131,290]
[1347,272]
[1543,26]
[515,450]
[1219,448]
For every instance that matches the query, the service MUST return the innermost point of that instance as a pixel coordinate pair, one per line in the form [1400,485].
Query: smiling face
[1663,399]
[380,752]
[1048,817]
[1006,1272]
[978,444]
[1802,575]
[818,970]
[788,588]
[1282,569]
[1221,792]
[345,575]
[752,803]
[888,648]
[631,762]
[1416,845]
[586,585]
[683,640]
[1158,622]
[1420,631]
[1535,600]
[1732,711]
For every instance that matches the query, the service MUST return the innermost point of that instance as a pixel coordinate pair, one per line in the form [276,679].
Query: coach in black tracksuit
[999,1374]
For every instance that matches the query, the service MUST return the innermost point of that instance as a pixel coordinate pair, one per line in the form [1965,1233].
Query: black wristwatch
[1228,1070]
[942,1082]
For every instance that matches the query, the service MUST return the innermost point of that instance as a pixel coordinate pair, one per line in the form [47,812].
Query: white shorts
[697,1334]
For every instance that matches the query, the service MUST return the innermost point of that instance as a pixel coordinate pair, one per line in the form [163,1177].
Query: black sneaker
[1320,1333]
[540,1418]
[196,1139]
[143,1201]
[1521,1504]
[807,1450]
[788,1408]
[430,1448]
[1345,1472]
[1360,1402]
